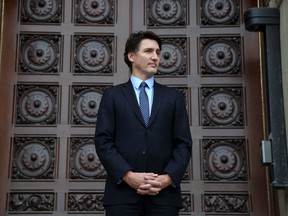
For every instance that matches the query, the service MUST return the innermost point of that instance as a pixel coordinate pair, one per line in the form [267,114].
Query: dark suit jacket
[124,143]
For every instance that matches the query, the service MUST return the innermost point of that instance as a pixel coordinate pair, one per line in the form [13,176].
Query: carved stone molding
[39,53]
[85,104]
[166,13]
[85,202]
[224,160]
[222,106]
[93,202]
[187,203]
[220,12]
[272,3]
[220,56]
[40,202]
[34,158]
[41,11]
[93,54]
[187,97]
[84,161]
[98,12]
[173,57]
[226,203]
[37,104]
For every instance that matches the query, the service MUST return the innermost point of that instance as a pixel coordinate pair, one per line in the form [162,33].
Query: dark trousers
[143,208]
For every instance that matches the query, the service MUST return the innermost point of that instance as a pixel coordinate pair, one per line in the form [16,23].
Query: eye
[148,50]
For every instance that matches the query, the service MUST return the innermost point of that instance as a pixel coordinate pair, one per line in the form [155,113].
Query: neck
[142,76]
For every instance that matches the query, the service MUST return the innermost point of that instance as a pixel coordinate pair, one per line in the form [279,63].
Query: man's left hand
[154,186]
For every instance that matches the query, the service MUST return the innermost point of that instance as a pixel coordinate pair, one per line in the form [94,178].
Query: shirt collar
[136,82]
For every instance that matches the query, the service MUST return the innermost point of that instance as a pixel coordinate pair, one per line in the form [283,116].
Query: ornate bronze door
[59,55]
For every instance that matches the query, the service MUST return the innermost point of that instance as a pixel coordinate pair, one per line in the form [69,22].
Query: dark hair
[132,43]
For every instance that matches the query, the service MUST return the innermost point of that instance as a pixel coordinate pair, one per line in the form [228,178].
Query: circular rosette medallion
[33,159]
[87,104]
[224,161]
[93,55]
[41,10]
[220,57]
[36,105]
[166,12]
[222,108]
[171,58]
[94,10]
[87,162]
[39,55]
[220,11]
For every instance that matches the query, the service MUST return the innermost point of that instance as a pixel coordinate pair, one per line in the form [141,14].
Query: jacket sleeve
[112,161]
[182,142]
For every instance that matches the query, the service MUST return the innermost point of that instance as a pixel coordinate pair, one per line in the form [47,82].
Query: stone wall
[283,5]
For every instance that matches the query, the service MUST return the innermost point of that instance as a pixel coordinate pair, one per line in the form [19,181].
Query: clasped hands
[147,183]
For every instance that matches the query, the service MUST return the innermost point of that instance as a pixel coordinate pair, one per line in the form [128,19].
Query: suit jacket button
[143,152]
[147,131]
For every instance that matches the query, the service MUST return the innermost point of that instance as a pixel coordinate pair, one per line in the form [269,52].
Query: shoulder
[117,88]
[166,89]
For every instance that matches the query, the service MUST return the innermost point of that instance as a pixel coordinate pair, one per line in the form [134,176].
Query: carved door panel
[68,52]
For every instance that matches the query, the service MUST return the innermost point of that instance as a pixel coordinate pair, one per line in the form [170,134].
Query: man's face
[145,60]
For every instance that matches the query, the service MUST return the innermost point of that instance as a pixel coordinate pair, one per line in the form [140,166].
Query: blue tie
[144,103]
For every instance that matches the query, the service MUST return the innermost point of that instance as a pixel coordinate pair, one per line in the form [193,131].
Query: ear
[131,56]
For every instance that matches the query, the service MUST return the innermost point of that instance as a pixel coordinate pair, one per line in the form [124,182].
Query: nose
[155,55]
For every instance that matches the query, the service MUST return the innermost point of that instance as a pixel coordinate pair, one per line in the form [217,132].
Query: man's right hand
[144,183]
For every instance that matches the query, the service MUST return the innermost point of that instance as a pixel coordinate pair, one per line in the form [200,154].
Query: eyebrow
[150,48]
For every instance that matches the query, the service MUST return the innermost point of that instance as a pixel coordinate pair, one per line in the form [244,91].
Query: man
[145,154]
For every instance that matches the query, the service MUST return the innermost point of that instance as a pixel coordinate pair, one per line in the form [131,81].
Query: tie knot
[143,85]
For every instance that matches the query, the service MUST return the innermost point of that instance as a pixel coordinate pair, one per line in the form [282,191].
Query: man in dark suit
[143,137]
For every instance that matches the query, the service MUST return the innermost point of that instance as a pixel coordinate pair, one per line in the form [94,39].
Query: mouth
[153,65]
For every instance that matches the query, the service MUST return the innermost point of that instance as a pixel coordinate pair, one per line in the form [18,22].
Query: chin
[154,71]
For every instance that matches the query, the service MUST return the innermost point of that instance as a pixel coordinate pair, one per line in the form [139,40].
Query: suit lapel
[157,101]
[129,93]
